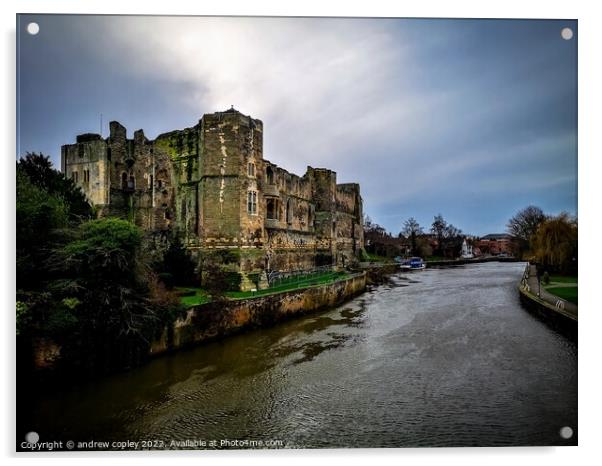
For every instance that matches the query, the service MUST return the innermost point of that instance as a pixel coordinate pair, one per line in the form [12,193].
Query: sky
[471,119]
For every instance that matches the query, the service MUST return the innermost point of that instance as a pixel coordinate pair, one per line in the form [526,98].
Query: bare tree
[411,229]
[525,223]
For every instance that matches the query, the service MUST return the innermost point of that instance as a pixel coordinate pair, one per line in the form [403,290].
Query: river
[441,357]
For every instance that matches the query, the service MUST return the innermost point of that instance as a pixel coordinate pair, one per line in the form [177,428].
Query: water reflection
[440,357]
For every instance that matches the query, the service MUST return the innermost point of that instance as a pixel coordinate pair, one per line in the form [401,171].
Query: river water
[441,357]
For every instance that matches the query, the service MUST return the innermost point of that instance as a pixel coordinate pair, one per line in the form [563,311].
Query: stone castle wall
[211,185]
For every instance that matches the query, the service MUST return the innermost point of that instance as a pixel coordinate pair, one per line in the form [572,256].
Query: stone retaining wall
[555,317]
[214,320]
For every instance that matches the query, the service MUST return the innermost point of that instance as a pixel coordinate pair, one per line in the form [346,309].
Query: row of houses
[495,244]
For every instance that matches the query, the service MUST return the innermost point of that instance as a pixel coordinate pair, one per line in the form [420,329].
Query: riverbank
[214,320]
[378,272]
[559,313]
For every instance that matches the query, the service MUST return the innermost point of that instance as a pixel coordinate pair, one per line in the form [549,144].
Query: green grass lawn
[563,279]
[200,296]
[568,293]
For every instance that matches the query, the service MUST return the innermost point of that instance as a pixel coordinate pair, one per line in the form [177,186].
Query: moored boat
[414,263]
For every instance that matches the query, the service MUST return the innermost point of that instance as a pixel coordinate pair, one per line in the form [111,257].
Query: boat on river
[414,263]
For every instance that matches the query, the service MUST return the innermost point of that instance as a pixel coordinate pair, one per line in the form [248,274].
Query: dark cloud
[471,118]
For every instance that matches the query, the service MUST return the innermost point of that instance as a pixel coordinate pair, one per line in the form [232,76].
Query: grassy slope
[568,293]
[563,279]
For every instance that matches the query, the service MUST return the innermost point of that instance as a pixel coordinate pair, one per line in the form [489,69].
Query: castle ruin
[210,185]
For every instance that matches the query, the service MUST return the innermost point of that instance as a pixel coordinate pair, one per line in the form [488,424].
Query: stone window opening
[131,182]
[151,182]
[272,209]
[270,175]
[75,176]
[124,180]
[251,169]
[86,176]
[252,202]
[289,211]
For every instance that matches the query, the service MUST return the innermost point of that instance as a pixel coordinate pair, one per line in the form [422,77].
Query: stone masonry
[210,185]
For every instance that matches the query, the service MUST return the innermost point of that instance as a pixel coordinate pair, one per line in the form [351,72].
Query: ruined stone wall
[141,185]
[349,231]
[177,170]
[291,241]
[210,185]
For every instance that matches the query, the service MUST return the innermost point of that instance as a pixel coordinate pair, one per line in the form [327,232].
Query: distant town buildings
[495,244]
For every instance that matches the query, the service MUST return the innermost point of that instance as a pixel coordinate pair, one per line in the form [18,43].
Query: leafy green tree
[38,169]
[554,244]
[103,281]
[176,266]
[83,283]
[39,217]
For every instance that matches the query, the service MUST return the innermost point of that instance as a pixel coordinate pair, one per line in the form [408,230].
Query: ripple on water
[443,357]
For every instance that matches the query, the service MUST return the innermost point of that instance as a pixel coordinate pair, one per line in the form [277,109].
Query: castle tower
[231,167]
[86,163]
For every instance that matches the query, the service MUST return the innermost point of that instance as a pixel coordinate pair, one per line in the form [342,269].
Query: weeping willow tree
[554,244]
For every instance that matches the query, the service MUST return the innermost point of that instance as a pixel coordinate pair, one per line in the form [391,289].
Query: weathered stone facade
[211,185]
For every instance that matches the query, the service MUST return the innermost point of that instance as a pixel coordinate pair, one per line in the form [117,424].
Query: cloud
[321,86]
[422,113]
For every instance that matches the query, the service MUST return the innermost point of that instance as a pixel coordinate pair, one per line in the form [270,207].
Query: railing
[526,274]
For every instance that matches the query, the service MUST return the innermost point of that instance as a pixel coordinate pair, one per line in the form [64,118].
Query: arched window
[132,182]
[270,175]
[272,209]
[124,180]
[252,202]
